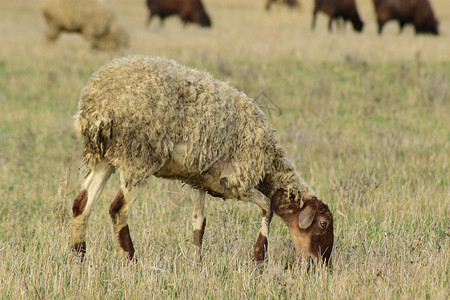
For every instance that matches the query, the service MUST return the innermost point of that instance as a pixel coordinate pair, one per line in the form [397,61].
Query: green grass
[363,117]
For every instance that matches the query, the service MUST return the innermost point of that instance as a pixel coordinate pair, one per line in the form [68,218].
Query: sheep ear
[306,217]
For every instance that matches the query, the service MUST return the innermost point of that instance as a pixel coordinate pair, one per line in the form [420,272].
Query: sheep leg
[52,32]
[330,24]
[82,205]
[89,33]
[161,22]
[198,220]
[259,199]
[260,247]
[313,24]
[380,25]
[341,23]
[119,210]
[402,25]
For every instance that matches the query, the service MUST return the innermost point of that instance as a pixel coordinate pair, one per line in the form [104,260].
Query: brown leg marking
[125,241]
[123,236]
[116,205]
[198,234]
[259,250]
[79,203]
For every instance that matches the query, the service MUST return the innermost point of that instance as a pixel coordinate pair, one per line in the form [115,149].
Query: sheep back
[153,116]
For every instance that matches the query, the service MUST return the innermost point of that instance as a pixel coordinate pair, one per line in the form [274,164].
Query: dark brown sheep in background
[338,10]
[190,11]
[416,12]
[290,3]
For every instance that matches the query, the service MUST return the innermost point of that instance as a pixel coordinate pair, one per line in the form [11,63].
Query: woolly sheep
[151,116]
[94,19]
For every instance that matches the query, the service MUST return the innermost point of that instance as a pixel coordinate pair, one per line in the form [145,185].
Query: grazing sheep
[189,11]
[416,12]
[290,3]
[94,19]
[345,10]
[150,116]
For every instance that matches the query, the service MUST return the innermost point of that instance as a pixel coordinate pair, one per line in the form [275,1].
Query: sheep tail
[96,135]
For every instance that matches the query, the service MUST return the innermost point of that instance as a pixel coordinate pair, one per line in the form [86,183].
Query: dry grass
[364,117]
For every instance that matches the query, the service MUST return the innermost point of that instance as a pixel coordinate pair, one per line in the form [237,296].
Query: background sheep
[344,10]
[148,116]
[416,12]
[189,11]
[94,19]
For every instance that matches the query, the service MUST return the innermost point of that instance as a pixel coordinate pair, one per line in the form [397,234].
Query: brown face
[312,230]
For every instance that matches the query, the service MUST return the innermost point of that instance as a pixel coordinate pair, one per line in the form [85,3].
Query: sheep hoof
[198,256]
[259,265]
[79,250]
[134,260]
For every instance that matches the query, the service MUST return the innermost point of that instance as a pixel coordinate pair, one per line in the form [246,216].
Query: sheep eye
[323,224]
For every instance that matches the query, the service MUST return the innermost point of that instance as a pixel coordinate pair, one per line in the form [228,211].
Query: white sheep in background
[94,19]
[151,116]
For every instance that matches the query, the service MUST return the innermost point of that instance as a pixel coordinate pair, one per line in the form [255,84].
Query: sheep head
[114,37]
[311,226]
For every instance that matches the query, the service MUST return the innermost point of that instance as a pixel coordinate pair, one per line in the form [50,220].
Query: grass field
[364,117]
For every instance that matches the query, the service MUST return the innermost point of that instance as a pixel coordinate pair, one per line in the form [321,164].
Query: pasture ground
[364,117]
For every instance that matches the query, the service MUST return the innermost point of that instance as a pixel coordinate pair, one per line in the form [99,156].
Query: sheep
[188,10]
[338,9]
[152,116]
[416,12]
[94,19]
